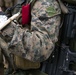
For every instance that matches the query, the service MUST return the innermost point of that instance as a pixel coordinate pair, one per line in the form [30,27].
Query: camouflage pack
[37,43]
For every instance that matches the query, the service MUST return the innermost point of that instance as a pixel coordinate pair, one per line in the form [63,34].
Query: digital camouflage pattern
[37,43]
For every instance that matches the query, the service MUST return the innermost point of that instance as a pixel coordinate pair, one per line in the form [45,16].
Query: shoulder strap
[32,3]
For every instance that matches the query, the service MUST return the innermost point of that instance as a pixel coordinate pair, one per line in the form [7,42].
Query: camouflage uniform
[37,43]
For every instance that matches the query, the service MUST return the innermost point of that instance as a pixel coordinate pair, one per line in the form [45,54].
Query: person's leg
[1,69]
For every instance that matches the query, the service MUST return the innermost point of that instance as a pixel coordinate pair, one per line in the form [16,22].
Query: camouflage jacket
[38,43]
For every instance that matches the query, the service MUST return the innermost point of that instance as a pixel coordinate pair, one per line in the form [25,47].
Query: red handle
[26,14]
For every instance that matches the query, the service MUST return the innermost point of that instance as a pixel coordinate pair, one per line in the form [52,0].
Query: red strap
[26,14]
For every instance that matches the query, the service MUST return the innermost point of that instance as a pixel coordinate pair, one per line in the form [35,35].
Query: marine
[35,43]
